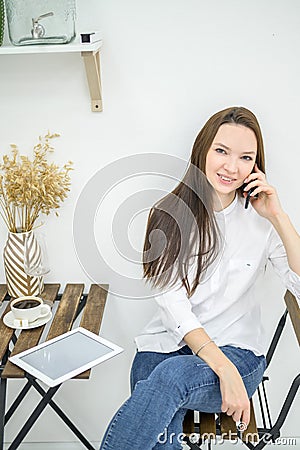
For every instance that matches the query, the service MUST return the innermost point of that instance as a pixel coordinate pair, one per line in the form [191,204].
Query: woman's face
[230,160]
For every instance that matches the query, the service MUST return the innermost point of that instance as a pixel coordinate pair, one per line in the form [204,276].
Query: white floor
[52,446]
[284,444]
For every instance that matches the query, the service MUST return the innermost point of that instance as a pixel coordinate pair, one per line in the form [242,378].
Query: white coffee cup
[28,309]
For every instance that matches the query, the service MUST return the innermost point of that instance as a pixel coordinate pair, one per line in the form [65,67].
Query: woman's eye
[247,158]
[220,150]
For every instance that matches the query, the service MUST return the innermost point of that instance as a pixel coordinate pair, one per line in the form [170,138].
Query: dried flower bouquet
[29,188]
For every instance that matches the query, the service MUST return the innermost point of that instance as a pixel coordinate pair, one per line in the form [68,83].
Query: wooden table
[71,303]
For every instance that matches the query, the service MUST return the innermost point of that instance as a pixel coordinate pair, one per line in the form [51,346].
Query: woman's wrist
[279,219]
[215,358]
[223,368]
[217,361]
[203,345]
[205,348]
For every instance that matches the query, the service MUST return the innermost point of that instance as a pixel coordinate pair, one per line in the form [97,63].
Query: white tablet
[65,356]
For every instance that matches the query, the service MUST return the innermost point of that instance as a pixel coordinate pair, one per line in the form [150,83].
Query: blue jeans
[164,386]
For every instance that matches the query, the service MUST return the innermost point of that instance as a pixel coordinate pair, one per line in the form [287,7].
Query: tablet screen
[65,355]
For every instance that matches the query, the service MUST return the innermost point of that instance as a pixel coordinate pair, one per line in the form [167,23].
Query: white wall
[166,67]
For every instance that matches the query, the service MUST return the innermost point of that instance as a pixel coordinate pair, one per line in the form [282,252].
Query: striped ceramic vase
[20,249]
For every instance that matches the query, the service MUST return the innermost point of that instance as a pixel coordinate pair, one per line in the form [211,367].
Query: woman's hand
[235,400]
[267,204]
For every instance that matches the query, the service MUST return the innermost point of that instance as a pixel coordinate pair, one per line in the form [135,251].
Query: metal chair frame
[270,431]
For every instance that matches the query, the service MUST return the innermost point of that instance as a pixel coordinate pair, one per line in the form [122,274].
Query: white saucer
[8,320]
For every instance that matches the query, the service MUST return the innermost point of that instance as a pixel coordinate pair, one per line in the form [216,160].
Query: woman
[205,251]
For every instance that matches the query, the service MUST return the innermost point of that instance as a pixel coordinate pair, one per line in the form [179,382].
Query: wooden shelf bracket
[90,53]
[92,68]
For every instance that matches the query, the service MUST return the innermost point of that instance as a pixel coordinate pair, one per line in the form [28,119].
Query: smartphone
[247,201]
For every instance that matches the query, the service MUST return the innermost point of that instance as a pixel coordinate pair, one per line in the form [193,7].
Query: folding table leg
[3,383]
[3,386]
[33,418]
[62,415]
[17,402]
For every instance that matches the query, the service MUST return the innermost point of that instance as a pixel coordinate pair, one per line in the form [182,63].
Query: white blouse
[225,303]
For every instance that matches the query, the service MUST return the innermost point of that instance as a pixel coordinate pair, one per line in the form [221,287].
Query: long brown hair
[181,227]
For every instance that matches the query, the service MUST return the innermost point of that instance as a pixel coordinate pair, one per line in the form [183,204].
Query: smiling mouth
[226,179]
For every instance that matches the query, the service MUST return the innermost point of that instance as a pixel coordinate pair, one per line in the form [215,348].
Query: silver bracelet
[203,345]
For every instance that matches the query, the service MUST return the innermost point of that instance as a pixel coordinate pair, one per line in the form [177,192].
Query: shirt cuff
[294,282]
[185,327]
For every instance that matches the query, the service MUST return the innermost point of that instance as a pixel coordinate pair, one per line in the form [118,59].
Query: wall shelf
[91,57]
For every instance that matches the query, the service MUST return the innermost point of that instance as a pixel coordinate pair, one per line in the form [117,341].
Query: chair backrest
[294,312]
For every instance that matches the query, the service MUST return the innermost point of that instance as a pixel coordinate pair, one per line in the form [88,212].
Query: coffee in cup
[28,309]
